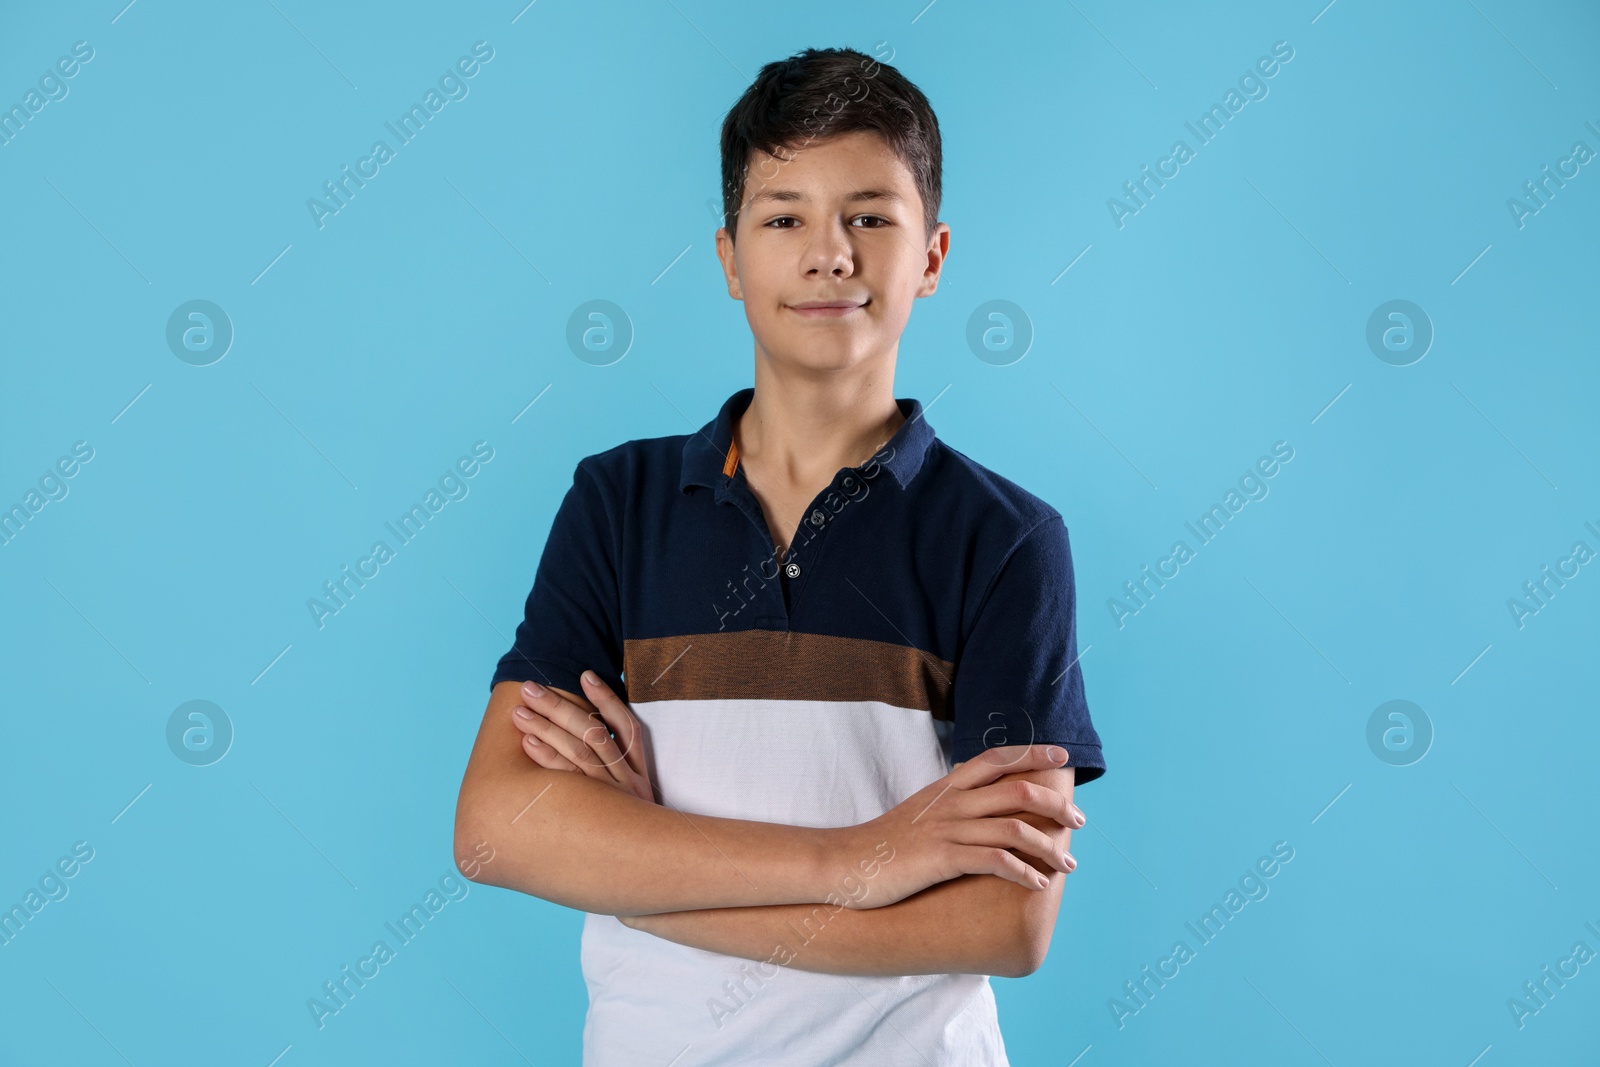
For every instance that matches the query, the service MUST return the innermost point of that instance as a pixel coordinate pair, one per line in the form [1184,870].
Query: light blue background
[1227,315]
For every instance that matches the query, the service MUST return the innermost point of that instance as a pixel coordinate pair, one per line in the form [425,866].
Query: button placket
[734,492]
[822,521]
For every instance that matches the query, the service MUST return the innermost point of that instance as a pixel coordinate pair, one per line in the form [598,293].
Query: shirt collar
[706,460]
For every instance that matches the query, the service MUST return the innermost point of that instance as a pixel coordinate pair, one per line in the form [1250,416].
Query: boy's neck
[800,431]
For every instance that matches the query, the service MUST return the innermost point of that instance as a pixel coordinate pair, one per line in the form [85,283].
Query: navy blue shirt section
[1017,681]
[572,621]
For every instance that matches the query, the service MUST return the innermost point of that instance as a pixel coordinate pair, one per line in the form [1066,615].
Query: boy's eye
[878,219]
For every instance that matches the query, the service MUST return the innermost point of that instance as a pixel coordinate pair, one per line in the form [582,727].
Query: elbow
[1029,956]
[473,849]
[1029,942]
[482,832]
[1026,956]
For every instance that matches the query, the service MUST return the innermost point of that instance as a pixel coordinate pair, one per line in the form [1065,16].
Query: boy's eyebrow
[793,196]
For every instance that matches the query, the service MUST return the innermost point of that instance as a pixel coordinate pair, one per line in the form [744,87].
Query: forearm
[574,841]
[973,924]
[967,925]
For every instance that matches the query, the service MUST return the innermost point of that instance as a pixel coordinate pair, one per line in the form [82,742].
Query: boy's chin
[819,358]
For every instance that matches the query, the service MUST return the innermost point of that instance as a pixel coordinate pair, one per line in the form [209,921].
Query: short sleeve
[572,619]
[1017,678]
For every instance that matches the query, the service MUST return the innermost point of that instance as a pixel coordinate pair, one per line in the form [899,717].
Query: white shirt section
[801,762]
[805,763]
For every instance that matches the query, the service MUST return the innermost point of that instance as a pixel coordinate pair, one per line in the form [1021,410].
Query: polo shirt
[924,613]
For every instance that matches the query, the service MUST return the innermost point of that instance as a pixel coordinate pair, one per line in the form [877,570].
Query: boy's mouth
[827,308]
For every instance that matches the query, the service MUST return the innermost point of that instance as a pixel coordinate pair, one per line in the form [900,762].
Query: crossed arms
[963,877]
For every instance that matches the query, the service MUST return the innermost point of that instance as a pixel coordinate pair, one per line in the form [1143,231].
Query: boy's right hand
[563,731]
[960,824]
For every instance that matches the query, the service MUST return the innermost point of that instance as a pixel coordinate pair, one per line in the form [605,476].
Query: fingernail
[591,678]
[533,689]
[1078,814]
[534,741]
[1056,753]
[522,712]
[1071,863]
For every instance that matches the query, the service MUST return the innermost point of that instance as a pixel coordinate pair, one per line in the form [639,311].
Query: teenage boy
[842,652]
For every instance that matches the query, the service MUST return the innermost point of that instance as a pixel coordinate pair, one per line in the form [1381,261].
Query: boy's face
[838,221]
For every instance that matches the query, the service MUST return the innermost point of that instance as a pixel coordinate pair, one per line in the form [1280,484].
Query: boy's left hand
[566,736]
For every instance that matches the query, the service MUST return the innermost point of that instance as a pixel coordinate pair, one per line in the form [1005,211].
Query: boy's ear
[730,271]
[938,251]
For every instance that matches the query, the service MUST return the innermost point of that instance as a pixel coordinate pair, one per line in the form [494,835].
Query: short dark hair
[823,92]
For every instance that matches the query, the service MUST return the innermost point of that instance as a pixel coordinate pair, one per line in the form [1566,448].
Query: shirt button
[818,518]
[792,570]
